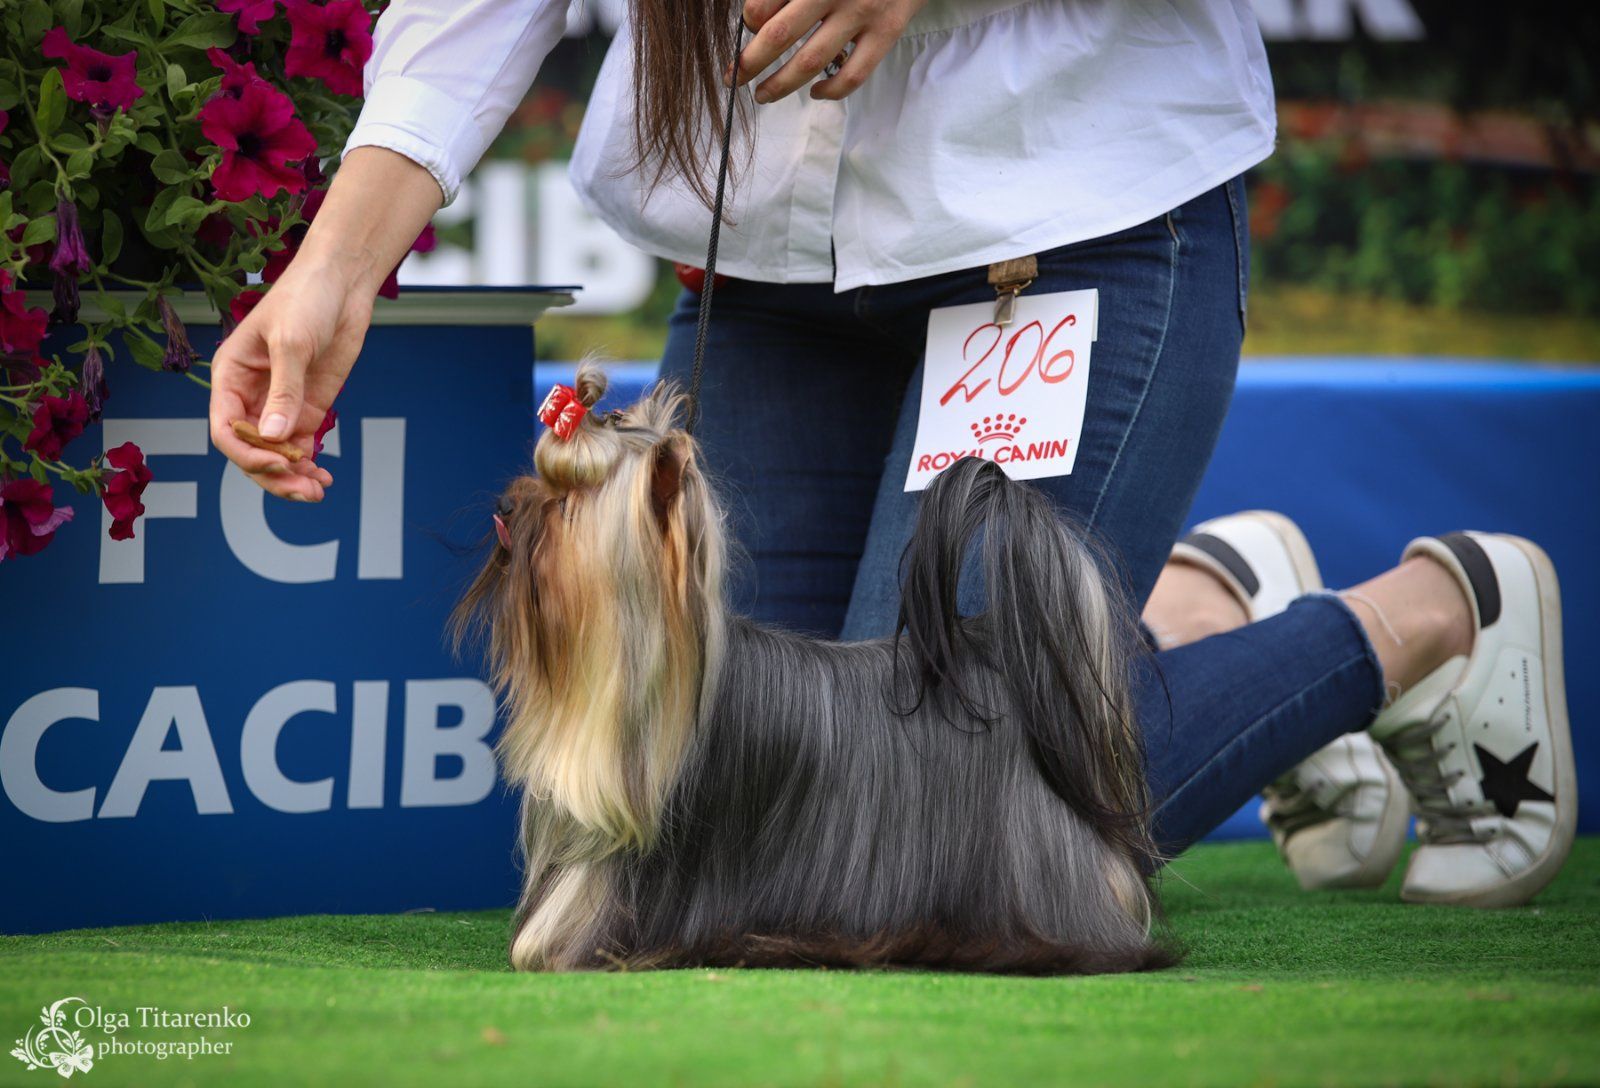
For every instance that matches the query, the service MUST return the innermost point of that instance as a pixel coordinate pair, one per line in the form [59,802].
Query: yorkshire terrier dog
[700,790]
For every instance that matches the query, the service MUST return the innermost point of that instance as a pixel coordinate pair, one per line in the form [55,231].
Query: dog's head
[601,598]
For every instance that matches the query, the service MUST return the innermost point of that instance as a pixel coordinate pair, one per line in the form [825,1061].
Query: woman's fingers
[787,25]
[871,47]
[228,404]
[810,59]
[757,12]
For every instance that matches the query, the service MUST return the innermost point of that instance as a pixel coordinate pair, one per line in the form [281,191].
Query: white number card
[1014,396]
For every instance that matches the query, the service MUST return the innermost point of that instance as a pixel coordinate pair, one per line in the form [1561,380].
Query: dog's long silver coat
[966,795]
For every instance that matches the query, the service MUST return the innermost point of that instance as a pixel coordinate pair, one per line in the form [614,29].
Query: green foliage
[139,179]
[1440,233]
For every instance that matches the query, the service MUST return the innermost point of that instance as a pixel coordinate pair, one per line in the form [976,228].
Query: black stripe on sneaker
[1480,573]
[1231,560]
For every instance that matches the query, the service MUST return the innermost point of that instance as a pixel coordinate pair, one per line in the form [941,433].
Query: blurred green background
[1436,188]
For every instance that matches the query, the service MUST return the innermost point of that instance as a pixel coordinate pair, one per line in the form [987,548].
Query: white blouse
[993,129]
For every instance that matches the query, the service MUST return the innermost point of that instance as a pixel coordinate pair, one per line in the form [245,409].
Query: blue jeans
[809,411]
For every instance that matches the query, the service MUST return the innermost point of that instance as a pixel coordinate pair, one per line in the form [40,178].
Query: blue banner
[249,709]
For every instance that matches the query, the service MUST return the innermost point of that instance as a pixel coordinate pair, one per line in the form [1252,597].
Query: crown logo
[1002,427]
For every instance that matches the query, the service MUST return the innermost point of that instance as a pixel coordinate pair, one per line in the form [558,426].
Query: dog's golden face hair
[604,615]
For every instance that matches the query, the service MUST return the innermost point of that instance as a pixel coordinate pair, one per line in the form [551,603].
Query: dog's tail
[1055,630]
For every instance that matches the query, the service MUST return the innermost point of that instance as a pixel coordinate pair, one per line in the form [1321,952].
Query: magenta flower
[57,421]
[91,76]
[179,356]
[125,488]
[236,77]
[69,261]
[21,329]
[260,138]
[330,42]
[71,256]
[29,517]
[243,303]
[252,13]
[93,380]
[329,422]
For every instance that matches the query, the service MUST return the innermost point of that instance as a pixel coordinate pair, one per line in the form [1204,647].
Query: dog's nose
[505,506]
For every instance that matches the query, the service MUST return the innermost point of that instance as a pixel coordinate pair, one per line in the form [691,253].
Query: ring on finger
[838,61]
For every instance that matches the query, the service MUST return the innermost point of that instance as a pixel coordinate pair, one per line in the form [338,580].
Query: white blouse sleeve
[445,74]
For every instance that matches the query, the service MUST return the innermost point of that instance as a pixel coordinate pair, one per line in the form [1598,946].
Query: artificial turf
[1279,987]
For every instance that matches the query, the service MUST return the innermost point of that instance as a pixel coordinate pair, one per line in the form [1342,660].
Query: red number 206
[1034,332]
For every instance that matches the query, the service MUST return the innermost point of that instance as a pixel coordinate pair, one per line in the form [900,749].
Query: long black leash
[703,327]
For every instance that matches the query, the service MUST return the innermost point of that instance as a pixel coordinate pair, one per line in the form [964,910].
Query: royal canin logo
[996,440]
[999,428]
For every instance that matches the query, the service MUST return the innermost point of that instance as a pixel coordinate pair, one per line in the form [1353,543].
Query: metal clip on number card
[1009,279]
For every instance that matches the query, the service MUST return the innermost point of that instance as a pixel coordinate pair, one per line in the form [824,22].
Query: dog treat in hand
[247,431]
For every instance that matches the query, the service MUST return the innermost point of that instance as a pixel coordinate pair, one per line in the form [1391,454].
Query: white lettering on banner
[369,721]
[383,499]
[559,243]
[243,509]
[122,561]
[194,760]
[426,740]
[19,755]
[575,247]
[241,506]
[467,702]
[1014,395]
[258,747]
[1334,20]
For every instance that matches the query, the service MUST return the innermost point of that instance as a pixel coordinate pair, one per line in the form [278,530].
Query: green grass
[1279,988]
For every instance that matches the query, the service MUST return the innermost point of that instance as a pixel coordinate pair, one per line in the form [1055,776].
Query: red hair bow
[561,411]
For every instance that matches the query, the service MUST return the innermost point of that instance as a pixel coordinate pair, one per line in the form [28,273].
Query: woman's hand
[286,362]
[284,365]
[873,25]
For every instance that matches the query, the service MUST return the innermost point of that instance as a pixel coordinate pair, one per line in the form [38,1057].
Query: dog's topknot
[590,383]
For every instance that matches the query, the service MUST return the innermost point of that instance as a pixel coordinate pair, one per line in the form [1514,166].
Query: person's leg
[797,405]
[1190,603]
[1224,716]
[1160,378]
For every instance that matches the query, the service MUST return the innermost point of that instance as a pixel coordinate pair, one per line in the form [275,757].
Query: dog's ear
[666,477]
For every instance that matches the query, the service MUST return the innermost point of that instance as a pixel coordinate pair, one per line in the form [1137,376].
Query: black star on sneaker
[1506,784]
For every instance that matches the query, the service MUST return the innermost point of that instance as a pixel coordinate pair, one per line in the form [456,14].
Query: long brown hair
[681,50]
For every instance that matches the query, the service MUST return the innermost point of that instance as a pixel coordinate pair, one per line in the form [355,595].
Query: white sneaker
[1338,818]
[1483,741]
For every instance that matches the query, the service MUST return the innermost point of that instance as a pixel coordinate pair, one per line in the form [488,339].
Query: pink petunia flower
[21,328]
[236,77]
[96,390]
[329,422]
[125,488]
[252,13]
[179,356]
[243,303]
[69,261]
[91,76]
[29,517]
[260,138]
[330,42]
[57,421]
